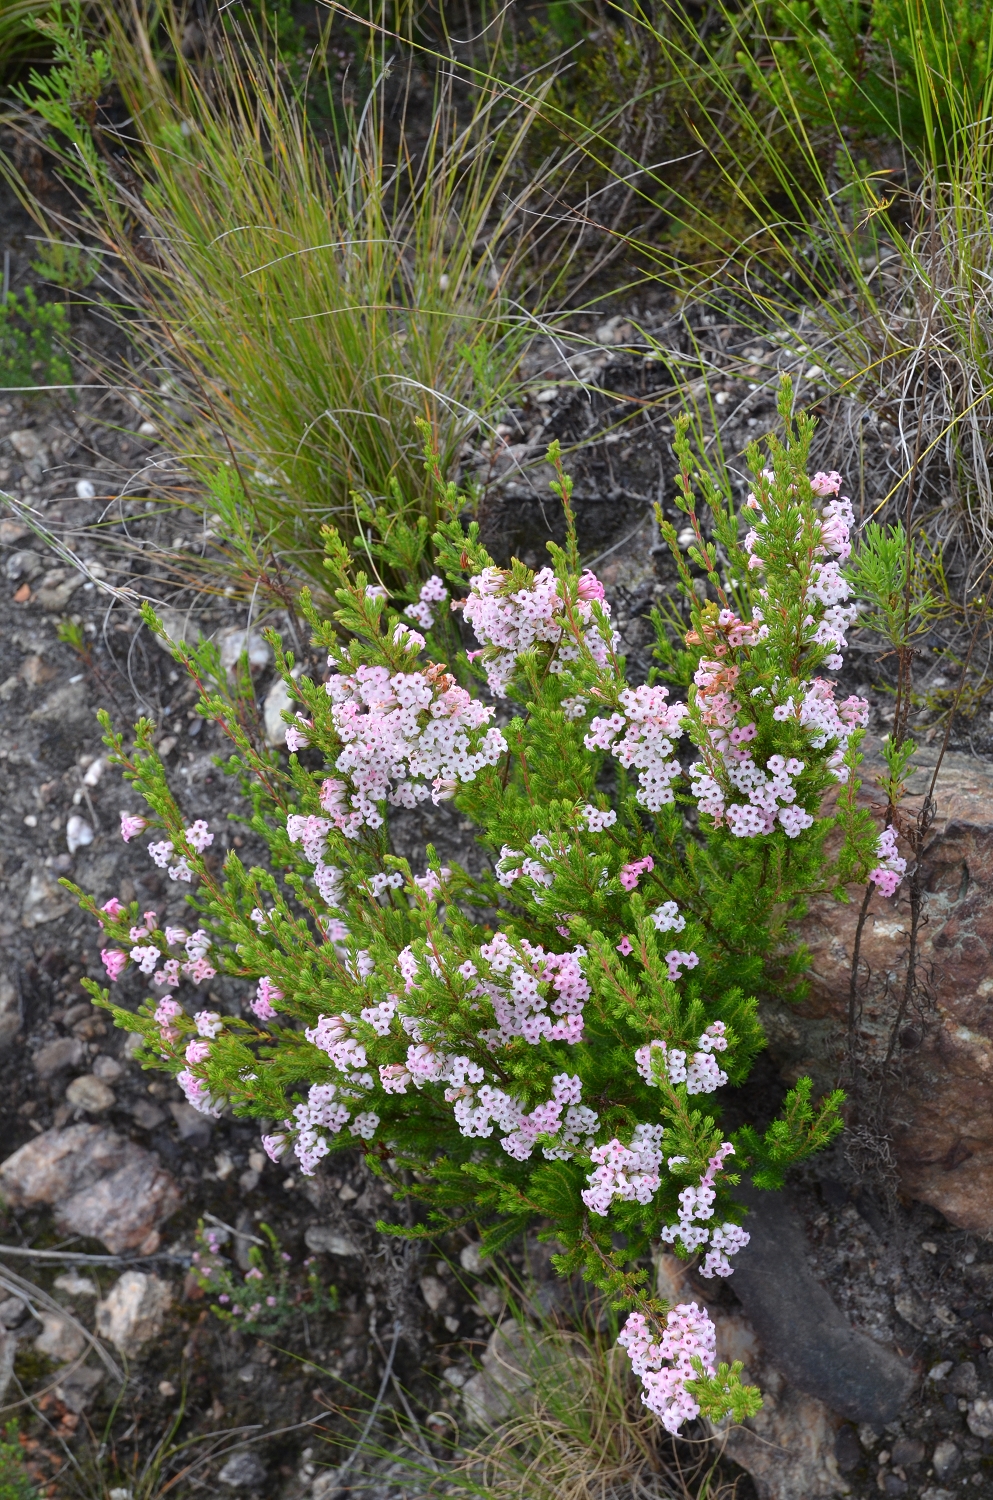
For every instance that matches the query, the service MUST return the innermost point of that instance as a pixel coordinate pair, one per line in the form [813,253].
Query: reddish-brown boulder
[939,1080]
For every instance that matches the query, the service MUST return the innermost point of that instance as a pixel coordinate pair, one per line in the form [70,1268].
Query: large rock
[133,1311]
[943,1125]
[814,1346]
[99,1184]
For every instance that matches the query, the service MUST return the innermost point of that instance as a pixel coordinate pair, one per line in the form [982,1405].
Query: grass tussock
[308,314]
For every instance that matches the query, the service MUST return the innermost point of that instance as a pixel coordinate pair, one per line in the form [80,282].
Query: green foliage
[270,1295]
[918,71]
[18,36]
[15,1482]
[353,949]
[66,94]
[351,296]
[72,267]
[33,336]
[890,576]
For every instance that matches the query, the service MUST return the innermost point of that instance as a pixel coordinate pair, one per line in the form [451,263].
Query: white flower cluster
[631,1173]
[407,736]
[507,623]
[433,592]
[701,1076]
[513,864]
[765,793]
[649,726]
[696,1205]
[325,1113]
[689,1334]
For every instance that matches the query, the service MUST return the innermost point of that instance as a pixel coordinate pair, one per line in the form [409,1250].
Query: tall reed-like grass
[307,313]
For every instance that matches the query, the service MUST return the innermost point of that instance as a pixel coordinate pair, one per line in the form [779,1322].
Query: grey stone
[107,1069]
[147,1114]
[491,1394]
[322,1239]
[8,1353]
[60,1338]
[90,1093]
[908,1452]
[13,1310]
[470,1260]
[946,1458]
[329,1485]
[79,1388]
[133,1311]
[801,1329]
[70,702]
[193,1127]
[912,1310]
[243,1471]
[75,1285]
[58,1057]
[277,701]
[55,589]
[27,443]
[101,1186]
[963,1380]
[178,627]
[979,1418]
[233,641]
[44,901]
[24,564]
[10,1011]
[434,1291]
[935,1494]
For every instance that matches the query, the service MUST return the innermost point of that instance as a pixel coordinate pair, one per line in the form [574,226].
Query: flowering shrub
[530,1043]
[268,1296]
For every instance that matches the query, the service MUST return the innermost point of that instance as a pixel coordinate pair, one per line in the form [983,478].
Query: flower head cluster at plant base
[543,1041]
[270,1294]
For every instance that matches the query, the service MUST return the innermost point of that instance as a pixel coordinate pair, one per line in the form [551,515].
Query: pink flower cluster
[650,725]
[265,994]
[765,793]
[891,867]
[518,992]
[829,617]
[562,1116]
[631,1173]
[333,1035]
[324,1113]
[696,1205]
[507,623]
[632,872]
[702,1076]
[825,720]
[689,1334]
[406,737]
[433,592]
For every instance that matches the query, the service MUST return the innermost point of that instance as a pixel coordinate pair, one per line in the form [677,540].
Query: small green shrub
[33,335]
[918,71]
[70,266]
[15,1482]
[269,1295]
